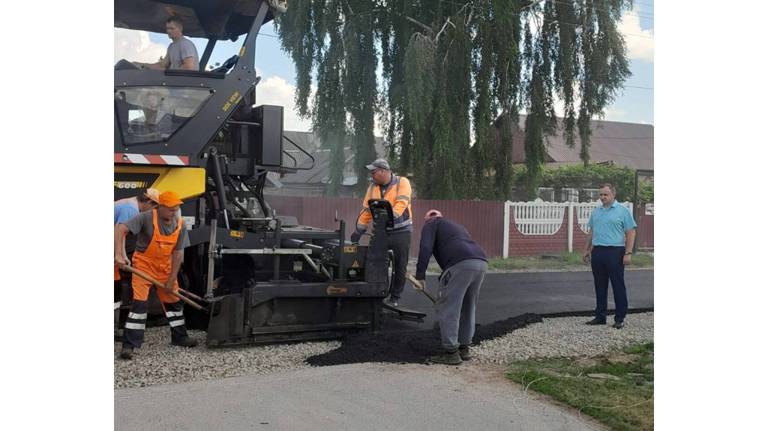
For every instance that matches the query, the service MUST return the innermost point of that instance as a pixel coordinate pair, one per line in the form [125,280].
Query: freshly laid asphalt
[505,295]
[379,396]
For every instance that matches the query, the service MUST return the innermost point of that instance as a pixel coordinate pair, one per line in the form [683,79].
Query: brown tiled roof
[624,144]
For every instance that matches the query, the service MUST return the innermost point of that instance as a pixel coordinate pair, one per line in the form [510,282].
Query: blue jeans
[608,264]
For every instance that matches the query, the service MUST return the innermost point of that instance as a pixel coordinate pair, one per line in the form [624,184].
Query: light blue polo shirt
[608,225]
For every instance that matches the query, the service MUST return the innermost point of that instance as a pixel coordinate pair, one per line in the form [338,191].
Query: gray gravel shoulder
[158,363]
[564,337]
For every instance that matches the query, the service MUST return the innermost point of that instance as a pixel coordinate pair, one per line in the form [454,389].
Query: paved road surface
[385,397]
[505,295]
[345,397]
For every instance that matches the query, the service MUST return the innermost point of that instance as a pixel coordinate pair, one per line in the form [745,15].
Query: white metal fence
[546,218]
[538,218]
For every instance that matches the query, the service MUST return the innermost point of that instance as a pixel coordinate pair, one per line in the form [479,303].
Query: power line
[639,88]
[622,138]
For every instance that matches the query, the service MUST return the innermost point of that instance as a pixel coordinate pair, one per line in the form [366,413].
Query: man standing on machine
[397,191]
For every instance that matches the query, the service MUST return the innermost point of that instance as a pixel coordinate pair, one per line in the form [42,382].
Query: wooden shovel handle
[159,285]
[418,285]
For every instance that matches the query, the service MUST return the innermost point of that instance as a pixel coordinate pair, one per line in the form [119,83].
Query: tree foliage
[592,176]
[455,74]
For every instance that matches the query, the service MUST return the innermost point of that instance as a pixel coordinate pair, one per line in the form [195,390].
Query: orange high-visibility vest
[399,195]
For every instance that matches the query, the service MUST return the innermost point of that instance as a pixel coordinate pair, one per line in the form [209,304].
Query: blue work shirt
[608,225]
[125,209]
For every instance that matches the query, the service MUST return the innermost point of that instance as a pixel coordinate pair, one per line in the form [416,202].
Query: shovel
[419,286]
[159,285]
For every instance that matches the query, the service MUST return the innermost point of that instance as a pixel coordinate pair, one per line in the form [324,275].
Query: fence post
[505,243]
[570,227]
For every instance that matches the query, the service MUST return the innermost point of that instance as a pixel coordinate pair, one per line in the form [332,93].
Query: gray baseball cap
[378,164]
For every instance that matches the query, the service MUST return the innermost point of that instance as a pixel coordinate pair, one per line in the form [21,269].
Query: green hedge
[589,177]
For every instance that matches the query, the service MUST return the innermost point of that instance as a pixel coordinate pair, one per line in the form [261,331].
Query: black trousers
[137,320]
[400,244]
[118,302]
[608,265]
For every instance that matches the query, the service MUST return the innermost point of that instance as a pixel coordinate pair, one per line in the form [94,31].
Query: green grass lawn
[619,391]
[562,261]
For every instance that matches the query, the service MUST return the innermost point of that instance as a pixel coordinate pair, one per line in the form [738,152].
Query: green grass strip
[618,393]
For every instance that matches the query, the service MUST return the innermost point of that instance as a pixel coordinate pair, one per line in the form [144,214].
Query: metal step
[307,328]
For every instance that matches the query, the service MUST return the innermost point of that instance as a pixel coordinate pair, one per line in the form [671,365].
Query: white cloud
[639,42]
[134,45]
[277,91]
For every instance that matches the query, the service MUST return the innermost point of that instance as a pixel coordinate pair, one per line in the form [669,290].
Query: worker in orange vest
[397,190]
[160,242]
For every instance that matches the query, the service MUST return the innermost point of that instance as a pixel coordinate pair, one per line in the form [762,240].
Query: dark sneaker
[596,321]
[465,353]
[447,358]
[185,342]
[618,325]
[126,353]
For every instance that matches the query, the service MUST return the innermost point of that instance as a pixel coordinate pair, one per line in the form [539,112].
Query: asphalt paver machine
[200,134]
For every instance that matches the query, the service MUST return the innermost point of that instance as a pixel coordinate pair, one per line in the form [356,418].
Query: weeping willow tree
[447,80]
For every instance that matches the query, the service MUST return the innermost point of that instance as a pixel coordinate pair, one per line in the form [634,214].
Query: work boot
[446,357]
[126,353]
[185,342]
[465,353]
[596,321]
[392,302]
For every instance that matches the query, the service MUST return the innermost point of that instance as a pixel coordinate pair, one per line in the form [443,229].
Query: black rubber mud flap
[226,321]
[403,313]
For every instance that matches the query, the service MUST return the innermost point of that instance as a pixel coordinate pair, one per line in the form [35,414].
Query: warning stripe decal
[151,159]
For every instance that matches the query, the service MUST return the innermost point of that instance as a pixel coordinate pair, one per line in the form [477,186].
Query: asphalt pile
[405,347]
[409,346]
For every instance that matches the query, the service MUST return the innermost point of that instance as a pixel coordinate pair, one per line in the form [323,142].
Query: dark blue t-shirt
[449,242]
